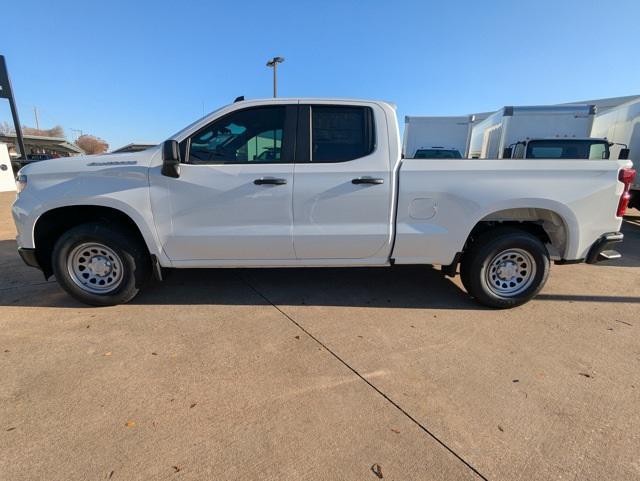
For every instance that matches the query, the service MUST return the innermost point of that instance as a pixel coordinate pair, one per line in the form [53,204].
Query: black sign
[5,85]
[7,93]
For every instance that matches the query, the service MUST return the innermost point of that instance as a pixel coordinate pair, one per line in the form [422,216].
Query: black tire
[510,249]
[132,258]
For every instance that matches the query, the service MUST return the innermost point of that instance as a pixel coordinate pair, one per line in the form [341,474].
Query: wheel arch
[547,224]
[51,224]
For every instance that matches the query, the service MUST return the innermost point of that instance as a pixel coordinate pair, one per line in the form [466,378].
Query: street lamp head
[274,61]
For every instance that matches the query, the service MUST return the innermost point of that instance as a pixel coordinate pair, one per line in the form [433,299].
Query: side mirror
[624,154]
[171,158]
[507,152]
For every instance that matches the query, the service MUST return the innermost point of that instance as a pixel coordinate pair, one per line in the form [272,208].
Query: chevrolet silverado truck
[312,182]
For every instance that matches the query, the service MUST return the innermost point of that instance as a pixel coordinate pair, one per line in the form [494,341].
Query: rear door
[342,183]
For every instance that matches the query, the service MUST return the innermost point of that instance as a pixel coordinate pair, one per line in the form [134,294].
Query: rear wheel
[505,267]
[100,266]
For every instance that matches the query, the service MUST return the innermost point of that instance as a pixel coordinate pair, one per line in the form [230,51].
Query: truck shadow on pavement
[398,287]
[412,287]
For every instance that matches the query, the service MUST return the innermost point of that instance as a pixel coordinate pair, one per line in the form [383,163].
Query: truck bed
[441,201]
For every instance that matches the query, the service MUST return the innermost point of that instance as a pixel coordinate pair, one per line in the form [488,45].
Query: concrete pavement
[321,374]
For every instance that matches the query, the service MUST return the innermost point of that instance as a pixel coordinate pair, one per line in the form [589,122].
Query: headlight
[21,182]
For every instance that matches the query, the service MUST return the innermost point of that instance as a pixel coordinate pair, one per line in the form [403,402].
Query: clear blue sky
[139,70]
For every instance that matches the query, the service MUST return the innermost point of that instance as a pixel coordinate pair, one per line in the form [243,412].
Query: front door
[342,195]
[233,199]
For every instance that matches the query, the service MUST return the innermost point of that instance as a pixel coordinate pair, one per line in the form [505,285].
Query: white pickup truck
[312,182]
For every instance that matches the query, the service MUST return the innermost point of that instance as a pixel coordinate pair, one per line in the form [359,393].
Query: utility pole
[79,131]
[273,63]
[35,114]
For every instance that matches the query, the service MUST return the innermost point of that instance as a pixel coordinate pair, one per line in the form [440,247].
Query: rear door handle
[368,180]
[269,181]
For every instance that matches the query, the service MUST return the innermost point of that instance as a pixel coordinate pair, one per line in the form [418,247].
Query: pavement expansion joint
[362,378]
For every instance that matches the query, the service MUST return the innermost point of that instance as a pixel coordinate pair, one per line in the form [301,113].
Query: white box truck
[438,137]
[512,126]
[621,126]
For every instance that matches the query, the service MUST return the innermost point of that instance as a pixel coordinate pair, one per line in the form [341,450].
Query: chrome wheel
[510,272]
[95,268]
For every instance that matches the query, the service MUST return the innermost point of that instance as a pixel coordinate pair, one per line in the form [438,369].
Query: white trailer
[621,125]
[511,125]
[437,137]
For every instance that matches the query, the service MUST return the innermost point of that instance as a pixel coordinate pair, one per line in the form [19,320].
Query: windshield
[181,133]
[437,154]
[568,149]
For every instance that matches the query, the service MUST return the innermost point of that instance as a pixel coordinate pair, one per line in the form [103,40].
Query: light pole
[274,64]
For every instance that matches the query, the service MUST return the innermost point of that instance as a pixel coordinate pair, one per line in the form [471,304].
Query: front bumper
[601,249]
[29,257]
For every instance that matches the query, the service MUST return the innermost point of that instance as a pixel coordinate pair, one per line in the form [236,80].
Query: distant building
[132,148]
[34,144]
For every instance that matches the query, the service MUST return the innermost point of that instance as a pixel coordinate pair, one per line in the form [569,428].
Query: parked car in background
[426,134]
[37,157]
[335,192]
[436,152]
[17,163]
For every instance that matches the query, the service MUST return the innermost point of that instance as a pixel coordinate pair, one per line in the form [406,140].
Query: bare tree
[56,131]
[91,144]
[6,129]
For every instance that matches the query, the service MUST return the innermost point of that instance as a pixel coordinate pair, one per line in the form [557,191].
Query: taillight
[625,176]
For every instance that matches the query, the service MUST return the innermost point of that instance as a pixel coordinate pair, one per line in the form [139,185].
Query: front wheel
[100,266]
[505,268]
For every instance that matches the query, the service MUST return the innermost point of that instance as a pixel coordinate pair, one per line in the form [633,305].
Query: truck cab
[559,148]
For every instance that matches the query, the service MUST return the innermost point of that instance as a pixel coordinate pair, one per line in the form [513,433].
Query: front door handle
[269,181]
[368,180]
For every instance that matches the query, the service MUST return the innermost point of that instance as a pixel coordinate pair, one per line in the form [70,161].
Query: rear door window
[341,133]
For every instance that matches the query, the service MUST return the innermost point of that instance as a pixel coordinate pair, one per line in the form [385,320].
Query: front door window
[246,136]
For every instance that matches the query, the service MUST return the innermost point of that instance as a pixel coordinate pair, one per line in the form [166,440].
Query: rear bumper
[601,249]
[29,257]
